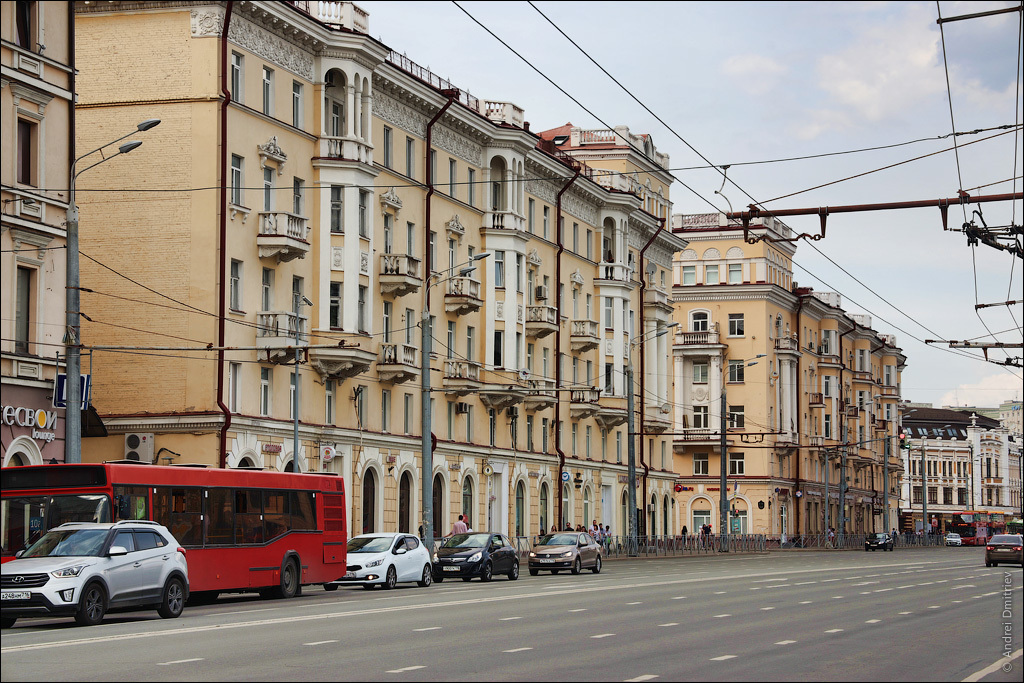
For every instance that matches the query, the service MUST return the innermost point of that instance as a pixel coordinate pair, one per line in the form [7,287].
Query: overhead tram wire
[625,89]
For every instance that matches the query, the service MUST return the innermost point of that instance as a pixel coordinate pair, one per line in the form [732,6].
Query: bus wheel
[289,587]
[7,622]
[330,587]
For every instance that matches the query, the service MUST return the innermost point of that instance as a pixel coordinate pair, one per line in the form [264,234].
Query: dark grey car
[572,550]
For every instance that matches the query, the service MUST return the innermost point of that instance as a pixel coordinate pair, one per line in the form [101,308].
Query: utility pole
[924,495]
[842,479]
[631,455]
[723,498]
[885,478]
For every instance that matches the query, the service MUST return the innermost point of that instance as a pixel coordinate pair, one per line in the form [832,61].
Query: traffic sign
[60,391]
[565,476]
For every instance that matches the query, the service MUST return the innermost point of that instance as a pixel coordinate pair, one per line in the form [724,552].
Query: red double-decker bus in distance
[977,526]
[244,530]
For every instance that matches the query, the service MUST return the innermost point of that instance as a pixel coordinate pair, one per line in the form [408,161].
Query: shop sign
[42,422]
[271,448]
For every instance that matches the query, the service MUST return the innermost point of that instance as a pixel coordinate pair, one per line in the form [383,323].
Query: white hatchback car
[83,569]
[954,539]
[385,560]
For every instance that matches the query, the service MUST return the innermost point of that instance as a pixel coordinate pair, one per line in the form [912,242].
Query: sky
[718,83]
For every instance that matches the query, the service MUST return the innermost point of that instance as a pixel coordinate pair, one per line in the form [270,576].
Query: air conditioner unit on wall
[138,447]
[540,293]
[461,408]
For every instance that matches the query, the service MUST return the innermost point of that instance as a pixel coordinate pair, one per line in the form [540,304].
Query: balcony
[463,296]
[880,425]
[503,220]
[658,418]
[658,298]
[584,403]
[830,359]
[461,377]
[815,400]
[702,338]
[698,436]
[398,363]
[541,394]
[889,390]
[787,344]
[283,235]
[618,272]
[342,361]
[399,274]
[344,148]
[862,376]
[501,396]
[612,411]
[584,336]
[541,321]
[275,335]
[816,441]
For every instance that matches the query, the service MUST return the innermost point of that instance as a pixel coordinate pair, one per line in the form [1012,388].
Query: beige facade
[36,125]
[322,153]
[811,392]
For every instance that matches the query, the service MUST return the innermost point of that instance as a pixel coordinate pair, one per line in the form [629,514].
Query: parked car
[1004,548]
[954,539]
[476,554]
[83,569]
[385,560]
[572,550]
[879,540]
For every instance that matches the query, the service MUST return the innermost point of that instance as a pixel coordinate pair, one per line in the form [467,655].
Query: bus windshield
[26,518]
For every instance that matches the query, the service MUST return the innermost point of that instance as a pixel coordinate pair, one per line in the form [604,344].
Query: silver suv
[83,569]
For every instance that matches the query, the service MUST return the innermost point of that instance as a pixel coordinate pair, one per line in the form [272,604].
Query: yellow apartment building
[37,68]
[811,392]
[313,194]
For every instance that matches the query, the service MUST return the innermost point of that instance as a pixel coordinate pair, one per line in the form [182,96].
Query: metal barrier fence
[665,546]
[851,541]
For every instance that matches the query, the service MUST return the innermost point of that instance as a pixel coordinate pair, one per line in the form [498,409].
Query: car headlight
[475,557]
[568,553]
[68,572]
[375,563]
[533,554]
[435,558]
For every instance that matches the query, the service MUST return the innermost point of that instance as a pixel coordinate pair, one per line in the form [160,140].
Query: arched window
[246,462]
[520,509]
[624,526]
[543,511]
[566,512]
[467,500]
[405,503]
[666,528]
[653,530]
[438,504]
[586,507]
[699,321]
[369,502]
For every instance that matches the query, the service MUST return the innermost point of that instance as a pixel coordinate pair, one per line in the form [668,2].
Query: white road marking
[1001,663]
[785,642]
[509,618]
[956,601]
[985,595]
[934,606]
[829,580]
[865,592]
[906,612]
[634,603]
[671,623]
[719,616]
[765,609]
[804,583]
[755,588]
[404,669]
[580,609]
[603,635]
[719,592]
[872,621]
[837,597]
[180,661]
[883,590]
[641,679]
[679,597]
[320,642]
[775,580]
[834,630]
[518,649]
[926,583]
[966,585]
[722,658]
[866,583]
[806,602]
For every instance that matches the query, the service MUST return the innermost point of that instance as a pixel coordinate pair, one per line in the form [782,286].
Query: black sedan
[878,541]
[1004,548]
[476,554]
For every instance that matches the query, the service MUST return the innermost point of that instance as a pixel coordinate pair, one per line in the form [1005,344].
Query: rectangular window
[25,25]
[23,314]
[700,417]
[700,463]
[385,411]
[410,157]
[700,373]
[529,432]
[711,275]
[689,275]
[530,206]
[329,401]
[499,269]
[361,310]
[236,285]
[499,349]
[433,167]
[297,196]
[735,273]
[547,221]
[410,239]
[336,213]
[296,104]
[544,435]
[828,426]
[267,290]
[618,447]
[826,386]
[386,322]
[268,91]
[608,312]
[335,122]
[387,145]
[234,379]
[27,164]
[268,189]
[575,238]
[237,82]
[265,388]
[471,186]
[335,310]
[364,210]
[736,463]
[736,370]
[453,176]
[407,413]
[410,325]
[361,402]
[735,324]
[735,417]
[236,180]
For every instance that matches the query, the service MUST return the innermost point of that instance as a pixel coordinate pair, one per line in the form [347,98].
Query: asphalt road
[915,614]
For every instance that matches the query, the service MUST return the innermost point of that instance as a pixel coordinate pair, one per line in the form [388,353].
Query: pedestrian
[684,533]
[459,527]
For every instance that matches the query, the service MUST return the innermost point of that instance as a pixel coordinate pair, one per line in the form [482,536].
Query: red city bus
[244,530]
[976,526]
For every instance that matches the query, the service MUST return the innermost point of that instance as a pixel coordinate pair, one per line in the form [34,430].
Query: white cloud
[988,392]
[754,74]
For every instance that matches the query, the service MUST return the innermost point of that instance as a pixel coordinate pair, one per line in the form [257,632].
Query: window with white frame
[736,464]
[236,180]
[268,91]
[547,221]
[828,426]
[711,275]
[735,273]
[335,306]
[329,401]
[237,77]
[737,370]
[296,104]
[826,385]
[361,308]
[388,146]
[364,218]
[689,275]
[699,321]
[336,208]
[268,189]
[23,316]
[735,324]
[735,417]
[234,385]
[385,410]
[700,417]
[453,177]
[471,187]
[410,157]
[297,200]
[267,290]
[499,268]
[407,413]
[700,372]
[235,293]
[700,463]
[265,389]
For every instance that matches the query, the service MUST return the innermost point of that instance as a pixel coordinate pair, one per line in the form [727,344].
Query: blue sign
[60,391]
[565,476]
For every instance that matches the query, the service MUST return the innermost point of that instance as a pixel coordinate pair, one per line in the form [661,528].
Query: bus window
[275,513]
[220,523]
[180,510]
[248,516]
[131,502]
[303,510]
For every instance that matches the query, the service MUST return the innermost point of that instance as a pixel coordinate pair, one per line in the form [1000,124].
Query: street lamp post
[73,338]
[300,301]
[631,432]
[426,446]
[723,498]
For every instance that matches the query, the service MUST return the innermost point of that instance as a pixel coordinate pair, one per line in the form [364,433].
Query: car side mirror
[117,550]
[19,553]
[400,551]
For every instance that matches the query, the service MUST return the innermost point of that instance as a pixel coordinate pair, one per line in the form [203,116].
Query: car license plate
[15,595]
[350,575]
[450,569]
[547,561]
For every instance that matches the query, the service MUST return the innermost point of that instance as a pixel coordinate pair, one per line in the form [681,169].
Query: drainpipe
[452,95]
[643,373]
[844,437]
[796,486]
[558,337]
[222,267]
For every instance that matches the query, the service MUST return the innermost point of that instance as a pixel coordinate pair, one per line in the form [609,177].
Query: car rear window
[1005,539]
